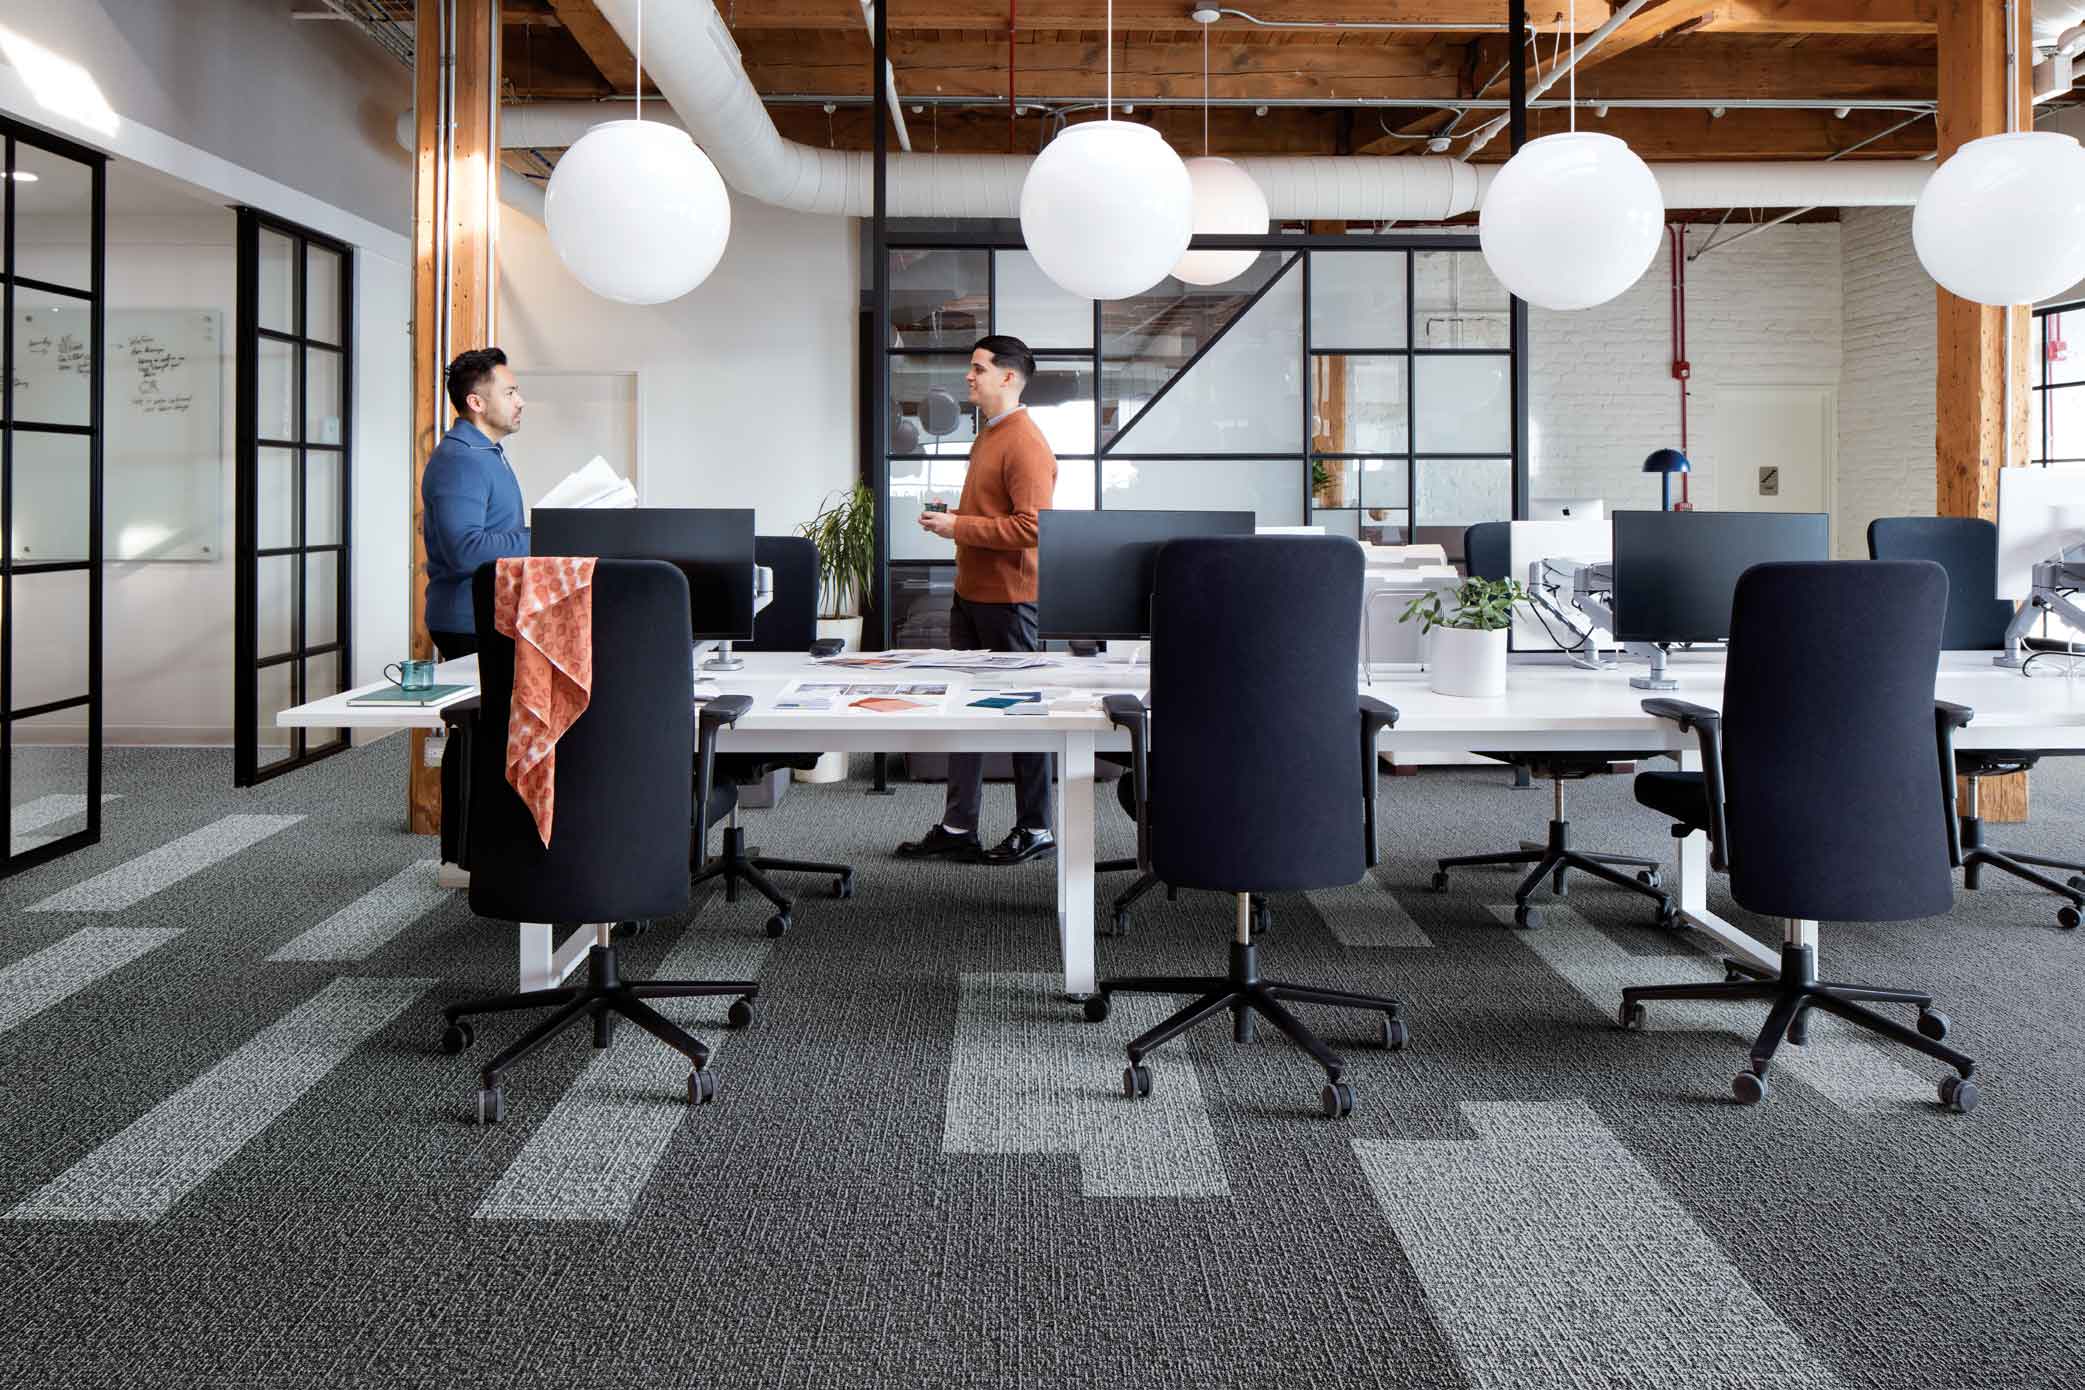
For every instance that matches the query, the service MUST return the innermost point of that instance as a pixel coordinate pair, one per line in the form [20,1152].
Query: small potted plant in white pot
[845,533]
[1466,629]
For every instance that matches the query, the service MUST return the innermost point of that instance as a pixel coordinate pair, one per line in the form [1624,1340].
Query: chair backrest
[1967,548]
[1255,750]
[1830,771]
[625,769]
[789,623]
[1487,549]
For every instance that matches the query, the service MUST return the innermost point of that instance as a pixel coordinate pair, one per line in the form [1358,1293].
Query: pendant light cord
[1572,73]
[640,59]
[1205,91]
[1111,60]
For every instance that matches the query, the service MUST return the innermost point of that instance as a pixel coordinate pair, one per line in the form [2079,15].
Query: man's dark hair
[1009,353]
[470,371]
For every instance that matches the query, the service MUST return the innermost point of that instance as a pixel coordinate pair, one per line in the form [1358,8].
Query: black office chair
[1967,548]
[1231,668]
[789,623]
[1487,547]
[619,845]
[1820,790]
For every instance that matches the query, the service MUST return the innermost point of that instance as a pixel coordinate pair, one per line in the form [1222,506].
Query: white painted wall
[1766,311]
[748,384]
[312,105]
[1887,377]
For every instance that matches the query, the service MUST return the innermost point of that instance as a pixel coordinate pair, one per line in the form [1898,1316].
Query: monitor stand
[721,659]
[2055,581]
[1655,679]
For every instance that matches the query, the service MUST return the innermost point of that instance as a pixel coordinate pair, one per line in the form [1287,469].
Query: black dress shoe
[939,844]
[1020,846]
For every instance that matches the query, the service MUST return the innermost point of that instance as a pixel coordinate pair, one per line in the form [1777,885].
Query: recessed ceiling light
[23,176]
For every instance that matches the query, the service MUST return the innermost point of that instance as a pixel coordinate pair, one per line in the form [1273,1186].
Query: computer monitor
[2041,515]
[1566,509]
[713,546]
[1095,569]
[1676,573]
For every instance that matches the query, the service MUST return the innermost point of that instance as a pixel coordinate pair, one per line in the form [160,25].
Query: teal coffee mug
[412,675]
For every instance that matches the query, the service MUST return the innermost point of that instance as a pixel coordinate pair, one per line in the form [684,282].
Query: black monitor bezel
[716,523]
[1244,522]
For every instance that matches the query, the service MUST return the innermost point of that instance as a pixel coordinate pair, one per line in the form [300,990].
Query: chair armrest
[1128,712]
[711,716]
[1707,726]
[828,646]
[464,711]
[1948,717]
[1375,717]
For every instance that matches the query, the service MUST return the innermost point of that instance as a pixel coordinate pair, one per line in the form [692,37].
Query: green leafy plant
[845,533]
[1484,605]
[1320,479]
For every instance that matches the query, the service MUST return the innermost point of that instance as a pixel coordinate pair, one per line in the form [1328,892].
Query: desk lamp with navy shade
[1665,463]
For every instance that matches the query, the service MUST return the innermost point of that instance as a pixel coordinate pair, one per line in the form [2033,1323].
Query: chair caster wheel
[1440,880]
[1244,1027]
[1749,1087]
[1172,894]
[1394,1034]
[1119,925]
[1557,887]
[1336,1100]
[1136,1080]
[1262,921]
[2067,918]
[1933,1024]
[492,1104]
[1650,878]
[456,1037]
[843,886]
[1669,919]
[1958,1093]
[1096,1009]
[1634,1018]
[1527,917]
[2077,881]
[778,925]
[740,1014]
[702,1087]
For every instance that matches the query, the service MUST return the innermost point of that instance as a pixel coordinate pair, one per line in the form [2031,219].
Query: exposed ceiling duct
[690,54]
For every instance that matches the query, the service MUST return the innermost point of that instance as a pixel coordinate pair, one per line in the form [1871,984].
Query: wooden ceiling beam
[584,21]
[1824,17]
[1151,15]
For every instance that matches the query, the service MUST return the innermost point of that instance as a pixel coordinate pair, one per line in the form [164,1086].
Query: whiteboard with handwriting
[163,443]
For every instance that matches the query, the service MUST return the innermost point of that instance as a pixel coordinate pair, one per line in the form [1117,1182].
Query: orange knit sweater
[1012,477]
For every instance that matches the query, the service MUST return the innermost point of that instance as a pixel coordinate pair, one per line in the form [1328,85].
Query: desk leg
[1694,894]
[1075,862]
[544,963]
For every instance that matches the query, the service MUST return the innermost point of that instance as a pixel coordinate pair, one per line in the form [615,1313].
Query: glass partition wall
[53,198]
[1365,388]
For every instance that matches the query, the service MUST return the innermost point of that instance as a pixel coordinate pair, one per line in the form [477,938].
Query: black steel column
[1517,130]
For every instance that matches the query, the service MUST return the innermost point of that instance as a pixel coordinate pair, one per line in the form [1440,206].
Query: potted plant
[1466,652]
[845,533]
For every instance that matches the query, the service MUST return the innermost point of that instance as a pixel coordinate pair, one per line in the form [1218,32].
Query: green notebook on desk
[426,695]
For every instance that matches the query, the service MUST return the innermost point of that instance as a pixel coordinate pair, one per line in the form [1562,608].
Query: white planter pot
[1466,662]
[832,767]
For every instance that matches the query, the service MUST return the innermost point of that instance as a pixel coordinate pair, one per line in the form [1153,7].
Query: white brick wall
[1765,311]
[1886,383]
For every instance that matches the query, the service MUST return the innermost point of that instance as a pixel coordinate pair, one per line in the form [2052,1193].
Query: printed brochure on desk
[873,697]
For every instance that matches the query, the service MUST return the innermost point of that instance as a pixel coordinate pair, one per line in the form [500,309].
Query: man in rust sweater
[1012,477]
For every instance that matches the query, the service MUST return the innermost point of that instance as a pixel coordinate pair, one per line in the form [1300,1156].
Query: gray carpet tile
[920,1170]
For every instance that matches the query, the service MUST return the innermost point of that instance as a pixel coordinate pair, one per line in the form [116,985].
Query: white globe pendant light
[1226,201]
[637,213]
[1572,220]
[2003,221]
[1107,207]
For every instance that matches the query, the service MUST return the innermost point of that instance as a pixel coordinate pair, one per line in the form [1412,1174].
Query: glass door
[295,346]
[51,280]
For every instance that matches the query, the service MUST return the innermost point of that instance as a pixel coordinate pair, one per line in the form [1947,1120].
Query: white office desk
[1548,707]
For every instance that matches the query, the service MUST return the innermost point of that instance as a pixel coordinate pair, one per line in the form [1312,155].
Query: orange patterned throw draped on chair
[546,604]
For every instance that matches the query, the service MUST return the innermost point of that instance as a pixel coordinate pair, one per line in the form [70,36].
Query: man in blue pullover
[471,505]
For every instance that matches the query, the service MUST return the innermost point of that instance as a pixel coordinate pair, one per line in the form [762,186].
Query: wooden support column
[1978,408]
[455,226]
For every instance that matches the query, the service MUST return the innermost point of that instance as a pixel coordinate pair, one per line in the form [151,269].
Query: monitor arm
[2056,583]
[1588,590]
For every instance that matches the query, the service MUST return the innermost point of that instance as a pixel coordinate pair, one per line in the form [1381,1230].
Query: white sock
[948,829]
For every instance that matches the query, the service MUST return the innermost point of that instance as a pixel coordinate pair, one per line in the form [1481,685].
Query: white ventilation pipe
[515,191]
[691,56]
